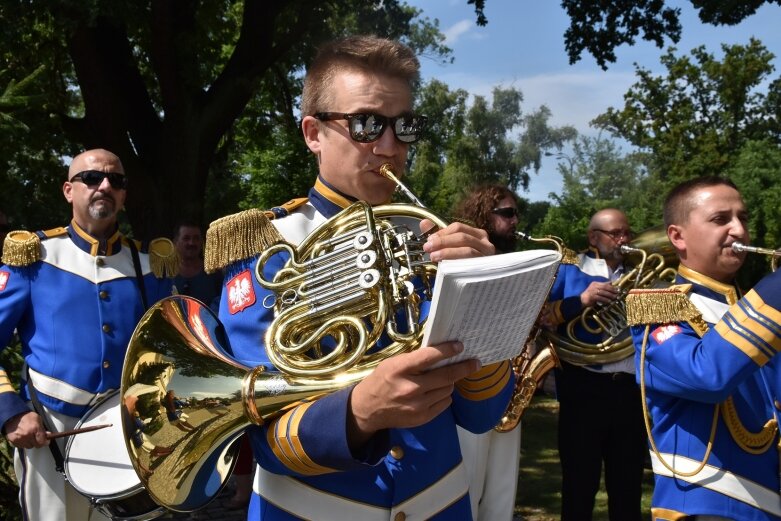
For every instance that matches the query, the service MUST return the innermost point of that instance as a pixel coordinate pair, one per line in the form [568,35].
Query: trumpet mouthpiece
[628,249]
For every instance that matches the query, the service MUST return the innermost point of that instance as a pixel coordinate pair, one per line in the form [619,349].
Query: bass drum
[98,466]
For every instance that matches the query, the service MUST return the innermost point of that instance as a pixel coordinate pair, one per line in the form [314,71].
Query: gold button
[106,364]
[103,295]
[99,261]
[397,452]
[777,404]
[106,328]
[400,516]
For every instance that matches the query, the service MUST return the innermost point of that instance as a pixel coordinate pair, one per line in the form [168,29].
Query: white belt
[306,502]
[64,391]
[721,481]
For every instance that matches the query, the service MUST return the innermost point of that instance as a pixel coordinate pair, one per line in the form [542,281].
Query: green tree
[483,143]
[163,85]
[595,176]
[695,120]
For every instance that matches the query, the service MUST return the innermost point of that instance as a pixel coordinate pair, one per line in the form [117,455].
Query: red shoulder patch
[4,276]
[665,332]
[241,294]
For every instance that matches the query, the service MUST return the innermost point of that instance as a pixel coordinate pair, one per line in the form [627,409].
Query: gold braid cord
[671,305]
[647,419]
[751,442]
[21,248]
[238,236]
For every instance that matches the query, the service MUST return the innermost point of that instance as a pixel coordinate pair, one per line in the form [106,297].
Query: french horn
[360,276]
[608,321]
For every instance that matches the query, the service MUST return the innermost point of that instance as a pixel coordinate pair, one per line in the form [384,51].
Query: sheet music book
[489,303]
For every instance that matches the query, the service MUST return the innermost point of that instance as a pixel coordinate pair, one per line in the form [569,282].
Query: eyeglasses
[96,177]
[616,234]
[368,127]
[508,212]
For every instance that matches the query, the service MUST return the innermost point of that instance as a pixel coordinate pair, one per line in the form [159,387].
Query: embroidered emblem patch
[4,276]
[240,292]
[666,332]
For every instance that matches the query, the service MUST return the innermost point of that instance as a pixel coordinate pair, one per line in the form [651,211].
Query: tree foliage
[483,142]
[599,27]
[598,175]
[695,120]
[163,84]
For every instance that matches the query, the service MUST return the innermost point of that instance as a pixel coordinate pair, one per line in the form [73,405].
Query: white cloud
[457,30]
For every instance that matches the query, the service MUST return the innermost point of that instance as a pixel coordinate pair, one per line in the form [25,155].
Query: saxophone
[532,363]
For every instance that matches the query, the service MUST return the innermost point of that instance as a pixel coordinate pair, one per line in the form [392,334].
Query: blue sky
[523,46]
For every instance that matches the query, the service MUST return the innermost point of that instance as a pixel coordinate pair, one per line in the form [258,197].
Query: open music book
[489,303]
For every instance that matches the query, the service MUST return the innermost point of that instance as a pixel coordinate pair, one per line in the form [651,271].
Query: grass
[539,478]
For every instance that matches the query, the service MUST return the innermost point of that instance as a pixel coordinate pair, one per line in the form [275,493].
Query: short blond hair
[364,53]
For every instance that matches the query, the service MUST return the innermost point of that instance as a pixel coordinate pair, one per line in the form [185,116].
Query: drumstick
[53,435]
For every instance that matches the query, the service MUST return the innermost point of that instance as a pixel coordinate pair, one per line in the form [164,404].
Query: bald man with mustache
[74,294]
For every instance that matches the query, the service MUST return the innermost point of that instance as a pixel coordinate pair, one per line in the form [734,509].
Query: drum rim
[103,497]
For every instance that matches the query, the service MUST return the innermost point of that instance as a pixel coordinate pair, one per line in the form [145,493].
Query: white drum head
[97,463]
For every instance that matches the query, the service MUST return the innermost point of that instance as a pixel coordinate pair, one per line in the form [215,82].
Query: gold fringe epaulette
[236,237]
[660,306]
[21,248]
[569,256]
[163,258]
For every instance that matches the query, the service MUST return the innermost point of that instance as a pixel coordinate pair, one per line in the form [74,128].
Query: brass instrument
[348,280]
[532,363]
[530,367]
[774,254]
[608,321]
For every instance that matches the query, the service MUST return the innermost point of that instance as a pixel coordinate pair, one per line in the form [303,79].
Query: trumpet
[739,247]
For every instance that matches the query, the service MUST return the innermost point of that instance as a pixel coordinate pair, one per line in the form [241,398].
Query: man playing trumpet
[386,447]
[706,363]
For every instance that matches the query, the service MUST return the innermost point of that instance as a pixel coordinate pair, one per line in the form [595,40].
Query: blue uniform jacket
[74,311]
[688,374]
[307,467]
[571,281]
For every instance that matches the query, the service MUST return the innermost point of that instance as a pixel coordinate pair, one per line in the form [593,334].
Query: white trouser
[492,462]
[44,493]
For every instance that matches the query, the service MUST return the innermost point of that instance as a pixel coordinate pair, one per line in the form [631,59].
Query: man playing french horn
[708,366]
[600,416]
[387,446]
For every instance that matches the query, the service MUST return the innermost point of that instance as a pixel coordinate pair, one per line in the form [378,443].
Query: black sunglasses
[508,212]
[95,177]
[368,127]
[616,234]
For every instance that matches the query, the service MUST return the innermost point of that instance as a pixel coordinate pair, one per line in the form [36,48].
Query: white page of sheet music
[490,308]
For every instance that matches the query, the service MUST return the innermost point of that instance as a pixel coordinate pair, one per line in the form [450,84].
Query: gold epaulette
[660,306]
[236,237]
[568,256]
[21,248]
[287,207]
[163,258]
